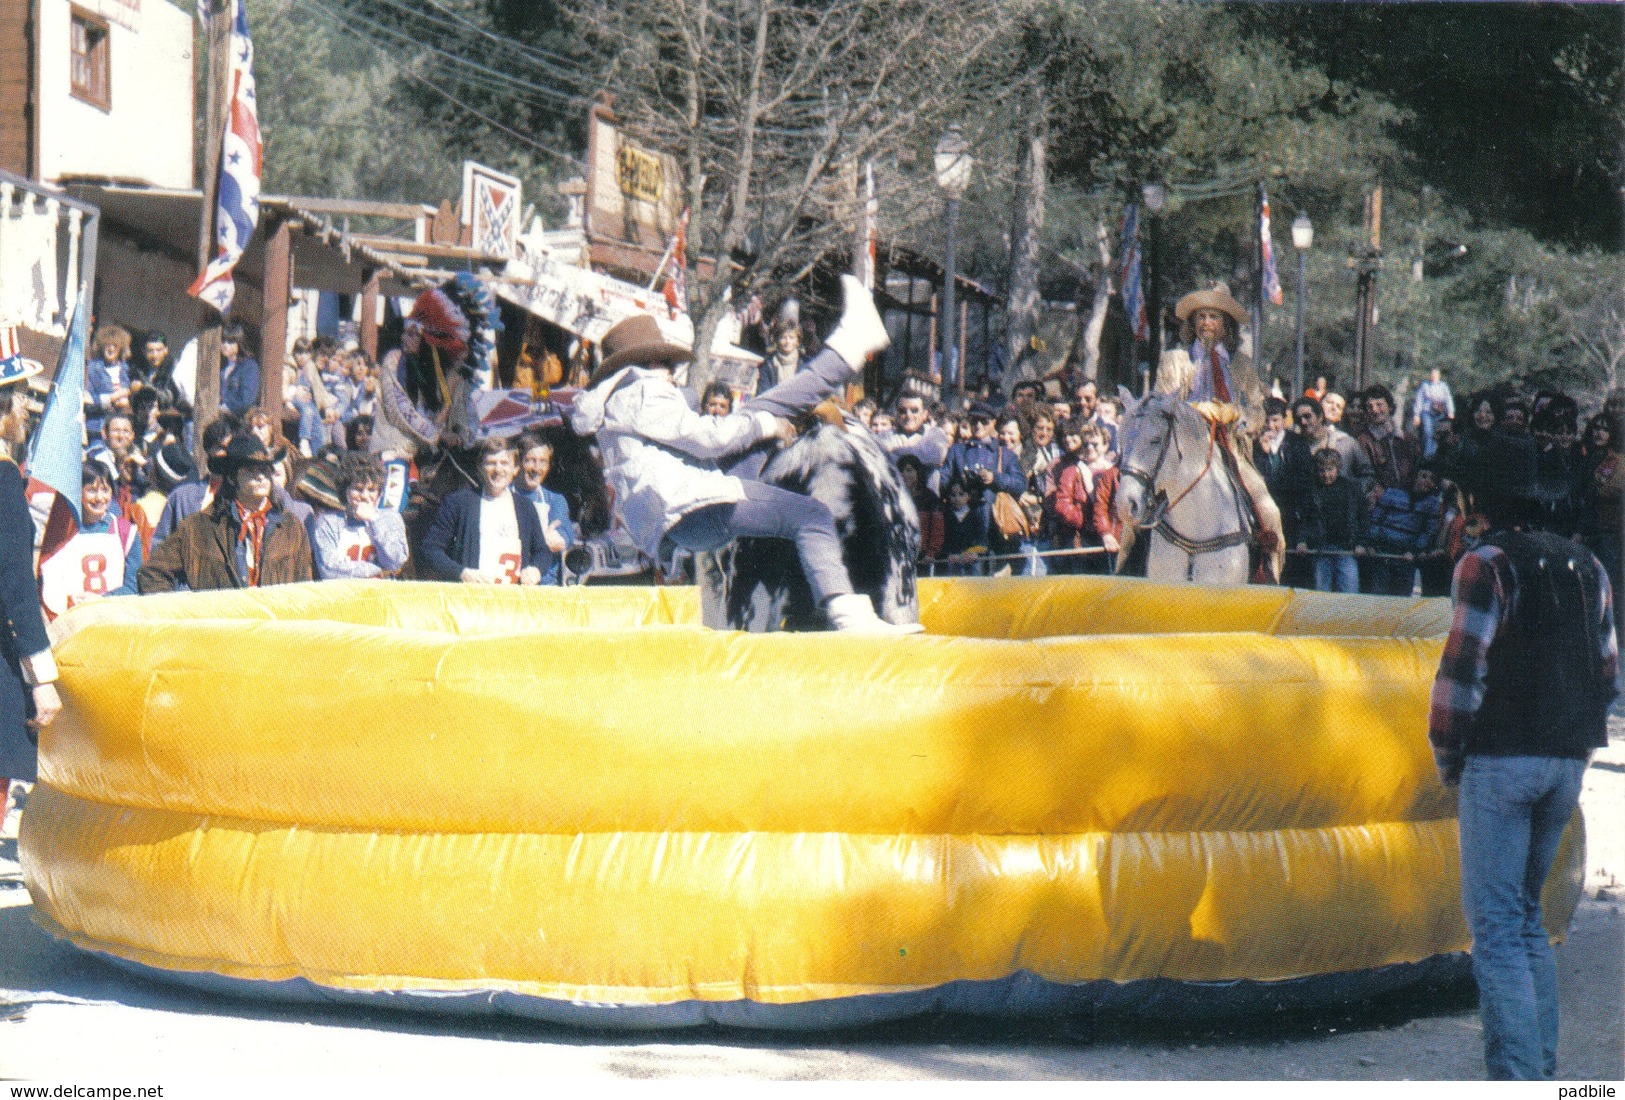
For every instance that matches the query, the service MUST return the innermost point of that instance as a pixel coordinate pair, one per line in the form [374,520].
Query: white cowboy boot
[854,614]
[861,332]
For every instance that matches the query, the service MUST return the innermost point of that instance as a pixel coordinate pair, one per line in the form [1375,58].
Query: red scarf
[1221,390]
[251,528]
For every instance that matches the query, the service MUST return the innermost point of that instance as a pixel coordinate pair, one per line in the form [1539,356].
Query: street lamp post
[1155,197]
[1303,238]
[953,164]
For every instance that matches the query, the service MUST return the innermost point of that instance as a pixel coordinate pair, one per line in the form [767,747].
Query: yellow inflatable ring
[579,804]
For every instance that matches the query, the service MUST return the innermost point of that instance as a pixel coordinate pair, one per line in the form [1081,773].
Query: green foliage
[1510,112]
[1490,126]
[1513,110]
[350,107]
[330,117]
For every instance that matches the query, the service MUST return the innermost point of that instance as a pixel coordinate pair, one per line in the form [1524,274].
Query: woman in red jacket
[1068,507]
[1107,526]
[926,503]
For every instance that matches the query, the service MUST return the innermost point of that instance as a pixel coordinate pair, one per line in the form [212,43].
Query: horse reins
[1159,520]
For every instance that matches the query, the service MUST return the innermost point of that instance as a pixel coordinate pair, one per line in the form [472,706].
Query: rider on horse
[1226,390]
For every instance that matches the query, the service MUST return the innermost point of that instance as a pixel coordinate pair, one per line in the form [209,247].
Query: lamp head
[953,162]
[1303,233]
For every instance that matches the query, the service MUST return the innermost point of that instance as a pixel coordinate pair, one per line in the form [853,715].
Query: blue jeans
[311,429]
[1512,813]
[1336,572]
[771,512]
[1429,445]
[1391,576]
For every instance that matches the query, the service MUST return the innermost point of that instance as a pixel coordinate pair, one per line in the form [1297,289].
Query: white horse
[1178,490]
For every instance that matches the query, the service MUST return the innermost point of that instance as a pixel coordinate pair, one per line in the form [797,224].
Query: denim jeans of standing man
[1512,813]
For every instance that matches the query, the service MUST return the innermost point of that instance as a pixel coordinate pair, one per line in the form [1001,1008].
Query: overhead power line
[371,29]
[512,43]
[542,62]
[328,13]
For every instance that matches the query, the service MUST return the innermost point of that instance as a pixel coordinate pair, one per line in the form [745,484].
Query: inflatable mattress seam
[227,819]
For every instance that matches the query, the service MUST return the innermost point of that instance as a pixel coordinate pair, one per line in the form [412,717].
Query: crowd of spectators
[267,512]
[1374,498]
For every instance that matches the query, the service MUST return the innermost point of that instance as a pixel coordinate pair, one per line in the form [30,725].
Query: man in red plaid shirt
[1520,702]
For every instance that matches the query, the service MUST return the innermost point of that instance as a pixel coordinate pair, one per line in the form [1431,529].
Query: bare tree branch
[780,100]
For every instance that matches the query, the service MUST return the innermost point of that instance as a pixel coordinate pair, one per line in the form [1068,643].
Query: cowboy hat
[637,339]
[1217,296]
[244,450]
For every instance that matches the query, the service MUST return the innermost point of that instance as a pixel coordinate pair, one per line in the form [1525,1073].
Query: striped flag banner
[237,206]
[676,289]
[1272,282]
[1129,274]
[56,454]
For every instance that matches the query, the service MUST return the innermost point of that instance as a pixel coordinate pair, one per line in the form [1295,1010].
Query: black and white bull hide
[845,468]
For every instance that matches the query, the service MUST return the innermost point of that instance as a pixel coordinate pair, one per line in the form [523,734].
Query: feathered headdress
[454,320]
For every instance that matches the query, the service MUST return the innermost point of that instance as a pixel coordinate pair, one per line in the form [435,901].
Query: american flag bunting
[237,204]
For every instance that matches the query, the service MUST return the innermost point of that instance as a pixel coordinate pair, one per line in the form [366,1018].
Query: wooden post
[369,312]
[1367,264]
[217,37]
[278,283]
[987,341]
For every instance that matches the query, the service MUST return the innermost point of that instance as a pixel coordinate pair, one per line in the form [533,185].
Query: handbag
[1008,515]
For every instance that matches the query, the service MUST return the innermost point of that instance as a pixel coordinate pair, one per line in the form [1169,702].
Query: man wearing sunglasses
[981,463]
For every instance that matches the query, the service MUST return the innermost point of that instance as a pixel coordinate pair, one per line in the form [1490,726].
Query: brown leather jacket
[201,553]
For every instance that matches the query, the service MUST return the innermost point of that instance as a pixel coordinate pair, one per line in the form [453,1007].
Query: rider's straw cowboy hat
[637,339]
[1216,296]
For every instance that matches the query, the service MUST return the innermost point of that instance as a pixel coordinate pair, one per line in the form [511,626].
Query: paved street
[70,1017]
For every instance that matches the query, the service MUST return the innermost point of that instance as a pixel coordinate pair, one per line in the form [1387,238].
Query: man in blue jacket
[982,464]
[28,697]
[492,536]
[1404,523]
[535,463]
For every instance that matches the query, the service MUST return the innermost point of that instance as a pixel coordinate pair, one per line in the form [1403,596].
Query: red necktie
[253,532]
[1216,372]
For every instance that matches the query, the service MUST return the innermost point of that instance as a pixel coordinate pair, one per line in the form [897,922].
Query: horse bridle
[1157,518]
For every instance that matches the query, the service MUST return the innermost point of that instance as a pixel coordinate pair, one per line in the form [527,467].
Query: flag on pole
[56,453]
[677,282]
[1129,274]
[1272,282]
[237,204]
[871,218]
